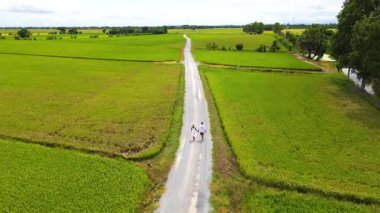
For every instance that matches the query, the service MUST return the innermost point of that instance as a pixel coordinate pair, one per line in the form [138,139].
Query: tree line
[136,30]
[356,45]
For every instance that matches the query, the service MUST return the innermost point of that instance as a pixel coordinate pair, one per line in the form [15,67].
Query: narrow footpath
[187,188]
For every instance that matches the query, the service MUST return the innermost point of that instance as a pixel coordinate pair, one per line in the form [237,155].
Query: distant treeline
[266,27]
[136,30]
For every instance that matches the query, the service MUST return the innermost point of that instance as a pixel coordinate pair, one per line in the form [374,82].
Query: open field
[292,131]
[140,48]
[282,60]
[208,31]
[264,200]
[249,57]
[42,179]
[113,107]
[251,42]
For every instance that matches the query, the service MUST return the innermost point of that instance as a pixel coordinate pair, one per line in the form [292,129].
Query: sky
[46,13]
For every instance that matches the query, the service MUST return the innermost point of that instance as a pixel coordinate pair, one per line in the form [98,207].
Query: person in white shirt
[193,131]
[202,130]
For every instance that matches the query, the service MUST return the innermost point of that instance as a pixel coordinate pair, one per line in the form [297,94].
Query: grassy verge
[232,192]
[41,179]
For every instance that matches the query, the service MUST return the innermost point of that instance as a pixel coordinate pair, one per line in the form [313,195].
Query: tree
[277,28]
[61,30]
[353,11]
[365,43]
[275,46]
[104,31]
[240,47]
[73,31]
[24,33]
[255,28]
[314,41]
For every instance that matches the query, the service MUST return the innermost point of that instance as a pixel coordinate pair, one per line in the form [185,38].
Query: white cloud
[164,12]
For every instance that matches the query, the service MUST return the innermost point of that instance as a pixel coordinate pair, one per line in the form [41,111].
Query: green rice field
[300,130]
[270,200]
[42,179]
[107,106]
[249,57]
[139,48]
[282,60]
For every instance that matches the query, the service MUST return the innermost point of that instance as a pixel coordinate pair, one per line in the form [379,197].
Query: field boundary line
[91,58]
[257,68]
[282,185]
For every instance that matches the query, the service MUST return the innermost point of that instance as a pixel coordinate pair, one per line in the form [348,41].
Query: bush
[240,47]
[17,37]
[94,36]
[275,47]
[223,48]
[73,37]
[286,43]
[212,46]
[24,33]
[51,37]
[262,48]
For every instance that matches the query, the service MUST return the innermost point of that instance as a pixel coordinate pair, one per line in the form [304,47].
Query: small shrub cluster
[262,48]
[275,47]
[51,37]
[94,36]
[214,46]
[286,43]
[240,47]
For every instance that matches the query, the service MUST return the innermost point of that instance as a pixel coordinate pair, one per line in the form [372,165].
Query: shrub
[286,43]
[24,33]
[51,37]
[73,37]
[94,36]
[212,46]
[2,37]
[262,48]
[17,37]
[275,47]
[223,48]
[240,47]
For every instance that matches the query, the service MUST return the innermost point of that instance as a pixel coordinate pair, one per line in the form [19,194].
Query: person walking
[193,131]
[202,130]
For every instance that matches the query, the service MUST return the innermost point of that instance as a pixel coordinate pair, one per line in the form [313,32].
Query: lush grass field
[251,42]
[269,200]
[40,179]
[208,31]
[116,107]
[300,130]
[283,60]
[228,38]
[146,47]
